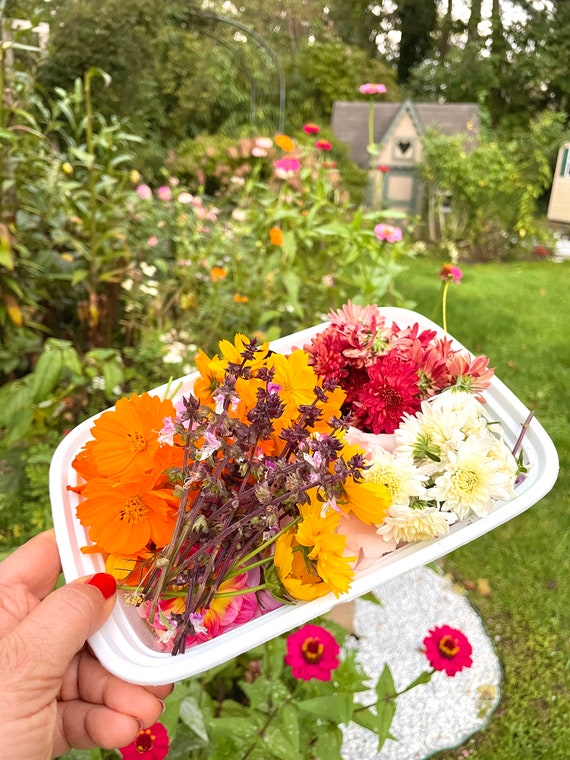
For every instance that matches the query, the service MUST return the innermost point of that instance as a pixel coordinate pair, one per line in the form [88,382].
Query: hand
[54,694]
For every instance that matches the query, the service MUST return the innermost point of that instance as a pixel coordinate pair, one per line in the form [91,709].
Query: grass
[517,315]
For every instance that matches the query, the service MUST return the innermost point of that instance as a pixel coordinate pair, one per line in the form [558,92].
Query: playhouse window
[565,166]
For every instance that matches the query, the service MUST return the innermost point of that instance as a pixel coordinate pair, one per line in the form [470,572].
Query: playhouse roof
[349,122]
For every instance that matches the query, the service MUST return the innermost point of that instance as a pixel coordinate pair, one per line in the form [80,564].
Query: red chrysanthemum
[391,392]
[312,652]
[448,649]
[150,744]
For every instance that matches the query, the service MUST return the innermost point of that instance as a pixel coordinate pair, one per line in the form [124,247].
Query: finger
[88,680]
[36,564]
[42,646]
[83,726]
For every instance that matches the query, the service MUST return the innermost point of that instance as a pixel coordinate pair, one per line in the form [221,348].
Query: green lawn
[517,314]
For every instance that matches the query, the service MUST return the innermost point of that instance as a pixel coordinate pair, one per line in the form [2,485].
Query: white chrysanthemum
[402,479]
[403,524]
[469,413]
[507,464]
[474,479]
[434,430]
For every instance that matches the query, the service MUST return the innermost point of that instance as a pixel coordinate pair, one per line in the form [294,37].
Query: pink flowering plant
[290,698]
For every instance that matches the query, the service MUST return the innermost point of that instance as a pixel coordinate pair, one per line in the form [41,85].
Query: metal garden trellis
[208,16]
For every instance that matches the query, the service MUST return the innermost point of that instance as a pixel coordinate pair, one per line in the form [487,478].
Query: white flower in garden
[149,270]
[150,289]
[175,354]
[399,474]
[473,479]
[404,524]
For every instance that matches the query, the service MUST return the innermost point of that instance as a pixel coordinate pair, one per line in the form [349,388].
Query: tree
[418,21]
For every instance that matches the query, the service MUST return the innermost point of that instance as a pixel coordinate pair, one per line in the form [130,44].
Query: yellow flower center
[133,510]
[136,442]
[386,478]
[448,646]
[312,650]
[465,480]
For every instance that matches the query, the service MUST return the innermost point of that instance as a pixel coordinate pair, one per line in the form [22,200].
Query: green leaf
[192,716]
[236,728]
[278,744]
[290,720]
[385,711]
[336,708]
[371,597]
[385,686]
[328,744]
[46,374]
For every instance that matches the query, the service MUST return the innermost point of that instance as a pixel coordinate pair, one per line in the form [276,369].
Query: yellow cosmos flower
[318,533]
[232,352]
[367,500]
[297,380]
[309,558]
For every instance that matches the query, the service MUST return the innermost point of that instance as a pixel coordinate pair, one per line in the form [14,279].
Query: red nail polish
[106,584]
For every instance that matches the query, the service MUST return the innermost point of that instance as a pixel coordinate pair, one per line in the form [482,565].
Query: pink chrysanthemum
[391,392]
[448,649]
[325,355]
[149,744]
[471,374]
[312,652]
[311,128]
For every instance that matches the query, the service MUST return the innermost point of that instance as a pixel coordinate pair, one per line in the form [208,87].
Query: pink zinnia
[449,272]
[284,167]
[149,744]
[311,129]
[371,88]
[388,233]
[448,649]
[323,145]
[312,652]
[391,392]
[144,192]
[164,193]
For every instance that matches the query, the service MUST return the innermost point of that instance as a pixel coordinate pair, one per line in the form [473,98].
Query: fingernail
[162,705]
[106,584]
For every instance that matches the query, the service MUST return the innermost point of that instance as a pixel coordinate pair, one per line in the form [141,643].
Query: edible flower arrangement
[278,477]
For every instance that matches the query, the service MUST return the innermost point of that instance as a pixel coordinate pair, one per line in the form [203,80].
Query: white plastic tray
[124,644]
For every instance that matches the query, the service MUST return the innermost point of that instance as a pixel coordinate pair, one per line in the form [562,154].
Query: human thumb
[43,645]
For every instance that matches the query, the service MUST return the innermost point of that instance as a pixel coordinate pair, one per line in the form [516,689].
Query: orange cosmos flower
[276,236]
[124,517]
[206,384]
[238,298]
[285,143]
[125,439]
[218,273]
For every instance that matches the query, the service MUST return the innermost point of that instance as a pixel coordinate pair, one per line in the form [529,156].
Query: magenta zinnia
[448,649]
[312,652]
[149,744]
